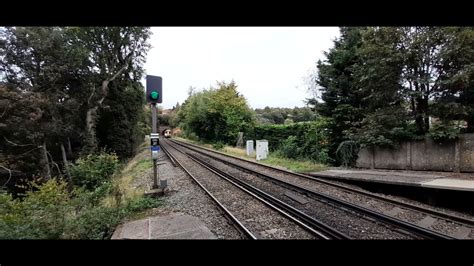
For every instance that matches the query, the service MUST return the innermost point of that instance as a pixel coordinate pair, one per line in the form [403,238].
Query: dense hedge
[305,140]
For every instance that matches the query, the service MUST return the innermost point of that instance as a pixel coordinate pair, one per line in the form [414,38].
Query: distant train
[167,133]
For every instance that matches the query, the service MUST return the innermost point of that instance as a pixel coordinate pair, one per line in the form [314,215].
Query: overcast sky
[268,64]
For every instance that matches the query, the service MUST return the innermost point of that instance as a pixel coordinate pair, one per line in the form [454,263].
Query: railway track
[237,224]
[173,160]
[350,224]
[312,186]
[252,213]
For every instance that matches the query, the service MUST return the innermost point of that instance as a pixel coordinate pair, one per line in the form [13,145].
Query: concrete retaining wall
[466,153]
[428,155]
[391,159]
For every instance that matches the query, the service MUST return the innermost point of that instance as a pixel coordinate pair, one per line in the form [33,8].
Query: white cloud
[267,63]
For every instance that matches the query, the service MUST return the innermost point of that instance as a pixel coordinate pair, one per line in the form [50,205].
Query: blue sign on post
[155,148]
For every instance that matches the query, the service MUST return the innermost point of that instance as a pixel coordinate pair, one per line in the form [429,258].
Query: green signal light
[154,95]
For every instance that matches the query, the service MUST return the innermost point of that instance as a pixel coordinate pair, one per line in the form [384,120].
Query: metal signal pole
[154,130]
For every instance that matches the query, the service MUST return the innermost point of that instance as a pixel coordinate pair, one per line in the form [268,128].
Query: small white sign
[262,149]
[250,149]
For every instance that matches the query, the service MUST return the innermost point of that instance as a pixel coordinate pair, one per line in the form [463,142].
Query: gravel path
[186,197]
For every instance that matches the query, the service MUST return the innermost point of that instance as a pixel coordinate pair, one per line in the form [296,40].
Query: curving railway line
[254,214]
[355,213]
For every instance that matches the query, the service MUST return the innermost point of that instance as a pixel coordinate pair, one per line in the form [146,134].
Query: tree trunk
[90,123]
[65,163]
[69,148]
[426,116]
[94,105]
[421,115]
[427,123]
[47,170]
[91,119]
[419,111]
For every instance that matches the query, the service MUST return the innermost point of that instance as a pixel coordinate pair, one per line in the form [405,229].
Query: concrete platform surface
[174,226]
[450,183]
[439,180]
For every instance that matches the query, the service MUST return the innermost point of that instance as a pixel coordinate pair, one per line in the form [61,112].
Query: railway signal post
[154,92]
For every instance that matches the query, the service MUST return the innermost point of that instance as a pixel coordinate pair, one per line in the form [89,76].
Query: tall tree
[342,101]
[113,52]
[48,98]
[377,80]
[38,62]
[217,114]
[420,47]
[455,94]
[118,125]
[380,85]
[436,71]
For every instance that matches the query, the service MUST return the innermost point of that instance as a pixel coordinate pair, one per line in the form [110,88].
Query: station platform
[438,180]
[174,226]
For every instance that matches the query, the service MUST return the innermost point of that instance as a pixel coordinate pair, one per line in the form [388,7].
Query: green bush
[99,222]
[384,128]
[140,204]
[216,114]
[51,212]
[83,198]
[192,136]
[347,152]
[293,148]
[444,132]
[94,223]
[306,140]
[41,214]
[218,145]
[94,170]
[289,148]
[315,143]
